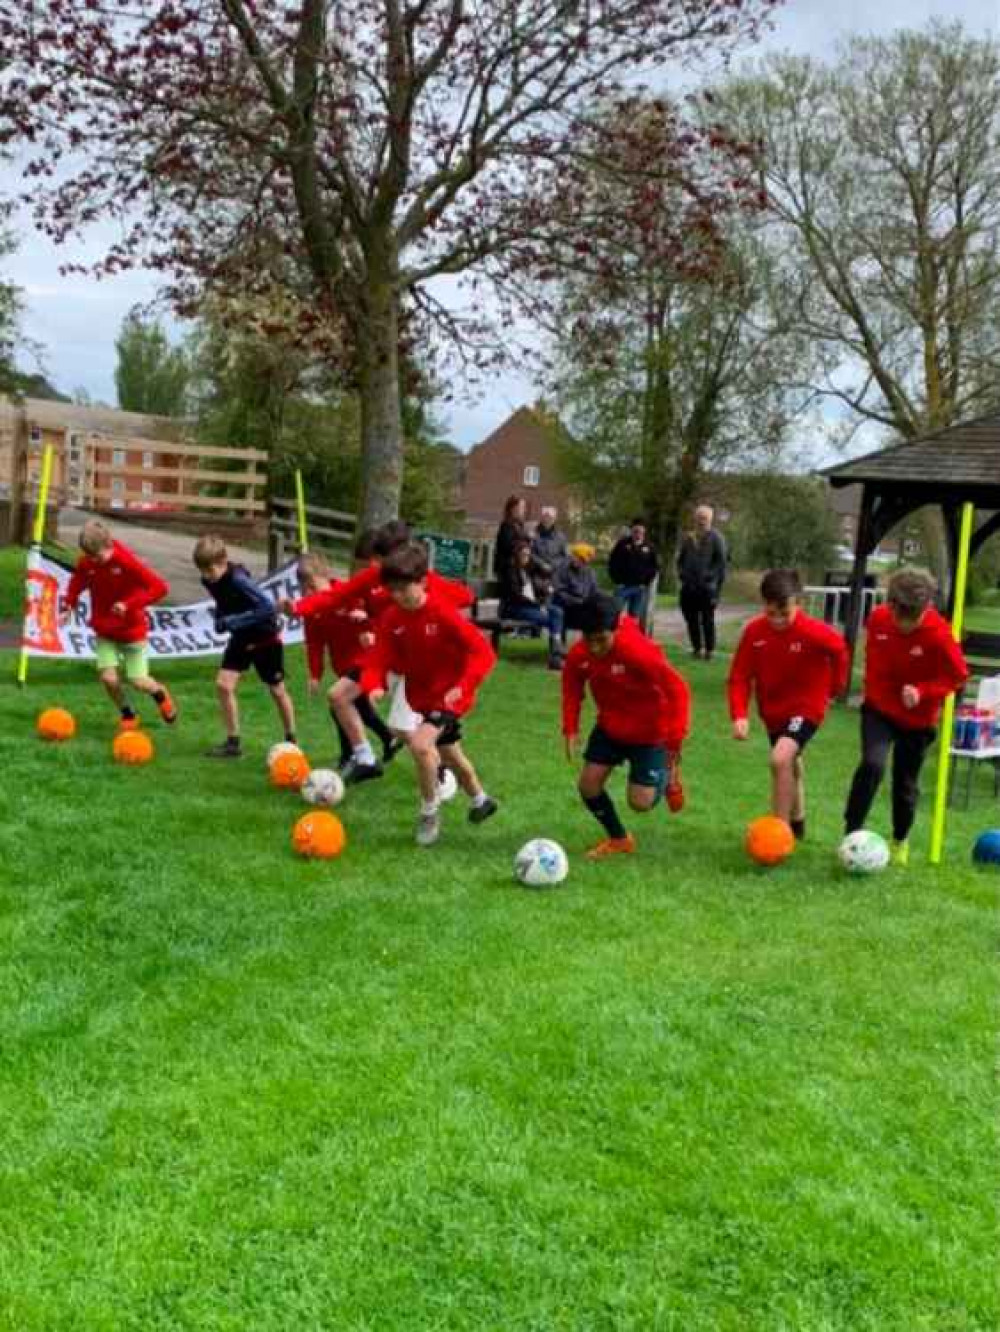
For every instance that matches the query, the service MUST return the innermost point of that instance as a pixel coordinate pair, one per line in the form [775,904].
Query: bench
[486,615]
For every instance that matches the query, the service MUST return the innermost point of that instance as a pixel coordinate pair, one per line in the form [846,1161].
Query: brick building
[519,458]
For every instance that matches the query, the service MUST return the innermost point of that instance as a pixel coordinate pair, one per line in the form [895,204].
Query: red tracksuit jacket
[641,699]
[123,578]
[929,659]
[333,630]
[794,671]
[435,649]
[368,584]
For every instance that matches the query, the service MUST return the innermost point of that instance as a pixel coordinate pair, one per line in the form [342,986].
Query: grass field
[399,1092]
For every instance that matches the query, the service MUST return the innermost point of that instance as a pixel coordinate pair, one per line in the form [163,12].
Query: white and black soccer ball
[283,747]
[540,863]
[323,787]
[447,785]
[863,852]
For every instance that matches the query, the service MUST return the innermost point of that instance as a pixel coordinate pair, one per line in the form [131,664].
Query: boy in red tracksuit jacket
[366,585]
[643,707]
[120,587]
[444,659]
[795,665]
[345,633]
[912,664]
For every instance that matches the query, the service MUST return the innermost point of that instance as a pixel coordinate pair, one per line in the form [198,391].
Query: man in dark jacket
[701,568]
[548,544]
[633,565]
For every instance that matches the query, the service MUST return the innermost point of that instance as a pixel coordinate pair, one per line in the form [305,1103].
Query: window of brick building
[532,476]
[147,458]
[118,458]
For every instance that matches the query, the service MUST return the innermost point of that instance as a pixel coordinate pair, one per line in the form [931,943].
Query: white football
[447,785]
[863,852]
[540,863]
[284,747]
[323,786]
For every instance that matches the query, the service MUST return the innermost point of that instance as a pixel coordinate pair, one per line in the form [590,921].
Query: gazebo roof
[960,461]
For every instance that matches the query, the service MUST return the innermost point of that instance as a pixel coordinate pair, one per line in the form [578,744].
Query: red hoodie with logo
[641,699]
[123,578]
[436,649]
[929,659]
[794,671]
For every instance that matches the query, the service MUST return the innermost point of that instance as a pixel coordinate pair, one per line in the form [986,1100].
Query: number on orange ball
[132,747]
[56,724]
[769,840]
[289,770]
[319,836]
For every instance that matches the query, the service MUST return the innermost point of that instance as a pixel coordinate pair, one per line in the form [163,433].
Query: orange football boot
[168,708]
[612,846]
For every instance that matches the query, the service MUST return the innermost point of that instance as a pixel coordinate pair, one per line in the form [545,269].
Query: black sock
[373,722]
[128,714]
[603,809]
[232,742]
[158,695]
[346,749]
[798,827]
[290,738]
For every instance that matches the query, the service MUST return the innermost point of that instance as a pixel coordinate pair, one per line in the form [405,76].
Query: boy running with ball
[445,659]
[794,664]
[248,615]
[120,587]
[912,664]
[643,707]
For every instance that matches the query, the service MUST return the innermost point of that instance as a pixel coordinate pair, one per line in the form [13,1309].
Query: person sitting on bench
[525,597]
[574,584]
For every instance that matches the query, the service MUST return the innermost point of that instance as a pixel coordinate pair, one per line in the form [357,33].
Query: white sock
[479,800]
[364,753]
[429,807]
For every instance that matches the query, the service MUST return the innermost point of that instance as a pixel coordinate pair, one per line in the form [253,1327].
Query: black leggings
[878,734]
[698,609]
[373,722]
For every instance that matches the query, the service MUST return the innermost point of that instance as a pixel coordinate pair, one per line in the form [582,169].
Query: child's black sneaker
[354,772]
[229,749]
[483,811]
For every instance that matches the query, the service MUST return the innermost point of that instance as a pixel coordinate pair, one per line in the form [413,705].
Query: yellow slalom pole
[37,536]
[948,712]
[300,504]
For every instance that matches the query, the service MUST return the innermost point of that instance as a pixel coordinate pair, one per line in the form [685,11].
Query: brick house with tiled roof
[519,458]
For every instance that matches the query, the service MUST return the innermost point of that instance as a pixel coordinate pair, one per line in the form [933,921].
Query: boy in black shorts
[250,618]
[643,707]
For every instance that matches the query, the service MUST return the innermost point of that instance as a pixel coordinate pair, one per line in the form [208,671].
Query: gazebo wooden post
[951,516]
[855,604]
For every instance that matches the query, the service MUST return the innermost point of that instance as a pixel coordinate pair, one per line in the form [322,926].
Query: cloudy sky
[76,319]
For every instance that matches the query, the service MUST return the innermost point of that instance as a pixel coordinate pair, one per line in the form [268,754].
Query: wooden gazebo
[946,469]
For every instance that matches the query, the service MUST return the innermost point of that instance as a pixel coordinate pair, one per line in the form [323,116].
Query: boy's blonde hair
[911,590]
[209,550]
[312,565]
[94,537]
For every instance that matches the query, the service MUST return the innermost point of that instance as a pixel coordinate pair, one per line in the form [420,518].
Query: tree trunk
[381,419]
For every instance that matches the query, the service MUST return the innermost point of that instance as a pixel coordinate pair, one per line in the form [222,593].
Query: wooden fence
[156,475]
[326,528]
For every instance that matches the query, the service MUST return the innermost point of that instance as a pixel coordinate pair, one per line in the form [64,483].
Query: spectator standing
[509,533]
[701,568]
[574,584]
[633,565]
[548,545]
[525,588]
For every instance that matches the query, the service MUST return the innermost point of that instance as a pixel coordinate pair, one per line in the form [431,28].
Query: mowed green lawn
[241,1091]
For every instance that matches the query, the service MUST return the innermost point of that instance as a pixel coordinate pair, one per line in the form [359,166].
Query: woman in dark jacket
[509,533]
[524,592]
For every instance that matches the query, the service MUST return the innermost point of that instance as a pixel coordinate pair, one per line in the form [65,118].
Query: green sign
[450,556]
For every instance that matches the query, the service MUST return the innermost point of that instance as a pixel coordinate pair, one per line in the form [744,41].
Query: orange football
[56,724]
[769,840]
[132,747]
[319,835]
[289,770]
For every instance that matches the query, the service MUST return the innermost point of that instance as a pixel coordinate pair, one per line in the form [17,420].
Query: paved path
[168,552]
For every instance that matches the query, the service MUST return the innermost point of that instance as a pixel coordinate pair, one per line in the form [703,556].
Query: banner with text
[174,631]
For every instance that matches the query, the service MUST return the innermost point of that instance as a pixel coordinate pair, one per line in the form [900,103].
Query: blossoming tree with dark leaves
[339,154]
